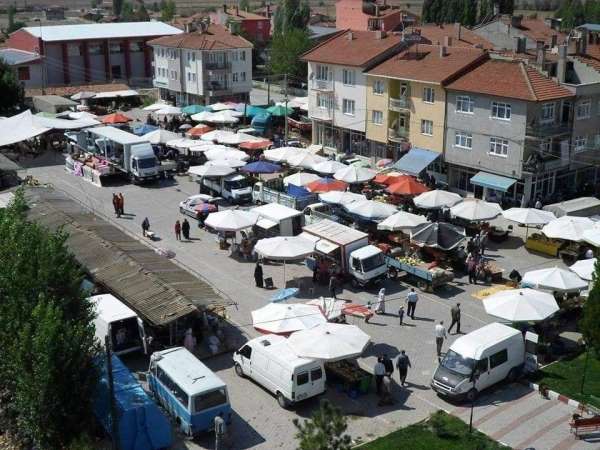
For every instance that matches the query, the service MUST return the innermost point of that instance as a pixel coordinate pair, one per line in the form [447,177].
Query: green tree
[13,25]
[325,430]
[167,13]
[285,53]
[244,5]
[12,90]
[93,4]
[47,371]
[142,13]
[590,324]
[127,13]
[291,14]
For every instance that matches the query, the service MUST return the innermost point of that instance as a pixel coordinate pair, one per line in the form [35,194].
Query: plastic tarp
[297,191]
[113,94]
[582,206]
[63,124]
[20,128]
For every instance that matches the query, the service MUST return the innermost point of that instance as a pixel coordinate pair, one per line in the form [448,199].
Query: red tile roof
[352,48]
[538,30]
[217,37]
[435,34]
[589,60]
[424,63]
[240,14]
[510,79]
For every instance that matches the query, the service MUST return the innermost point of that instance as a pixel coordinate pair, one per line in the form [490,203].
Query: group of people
[475,250]
[384,368]
[118,204]
[182,228]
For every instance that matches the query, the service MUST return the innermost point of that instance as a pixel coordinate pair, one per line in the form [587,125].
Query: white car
[188,206]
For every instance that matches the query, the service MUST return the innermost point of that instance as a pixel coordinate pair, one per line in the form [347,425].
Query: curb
[552,395]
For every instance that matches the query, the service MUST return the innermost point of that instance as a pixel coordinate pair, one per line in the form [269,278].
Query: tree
[285,53]
[127,13]
[244,5]
[12,90]
[142,13]
[13,25]
[591,312]
[324,431]
[47,370]
[117,6]
[167,12]
[291,14]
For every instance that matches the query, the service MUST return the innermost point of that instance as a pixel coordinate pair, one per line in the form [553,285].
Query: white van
[123,326]
[270,362]
[481,359]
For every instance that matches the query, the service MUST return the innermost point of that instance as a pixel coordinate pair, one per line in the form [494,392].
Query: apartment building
[508,132]
[203,66]
[361,15]
[503,30]
[406,99]
[337,85]
[253,26]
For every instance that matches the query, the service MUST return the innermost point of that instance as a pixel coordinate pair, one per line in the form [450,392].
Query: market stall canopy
[233,163]
[475,210]
[440,235]
[211,171]
[279,110]
[160,136]
[155,106]
[300,178]
[520,305]
[387,178]
[436,199]
[115,94]
[194,109]
[63,124]
[329,342]
[371,209]
[199,130]
[416,160]
[592,236]
[251,111]
[354,174]
[115,118]
[203,116]
[584,268]
[144,128]
[492,181]
[529,216]
[238,138]
[329,167]
[222,106]
[402,220]
[231,220]
[581,207]
[258,144]
[554,279]
[223,152]
[216,135]
[341,198]
[78,115]
[262,167]
[284,248]
[280,154]
[83,95]
[182,143]
[330,307]
[568,228]
[281,318]
[407,185]
[19,128]
[169,111]
[326,185]
[299,102]
[304,159]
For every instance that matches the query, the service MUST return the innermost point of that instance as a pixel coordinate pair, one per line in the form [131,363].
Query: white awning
[19,128]
[266,224]
[113,94]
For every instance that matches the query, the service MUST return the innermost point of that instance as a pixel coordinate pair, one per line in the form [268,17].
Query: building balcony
[218,66]
[322,85]
[540,130]
[400,104]
[216,88]
[320,114]
[398,134]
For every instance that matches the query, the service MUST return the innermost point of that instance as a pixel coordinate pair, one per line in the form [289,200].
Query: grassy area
[440,432]
[565,376]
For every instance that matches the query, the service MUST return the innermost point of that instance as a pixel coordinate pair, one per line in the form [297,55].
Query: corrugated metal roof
[153,286]
[14,57]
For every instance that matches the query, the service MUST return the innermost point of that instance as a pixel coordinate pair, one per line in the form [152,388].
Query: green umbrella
[194,109]
[279,110]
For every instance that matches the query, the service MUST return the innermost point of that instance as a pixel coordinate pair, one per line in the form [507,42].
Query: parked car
[188,206]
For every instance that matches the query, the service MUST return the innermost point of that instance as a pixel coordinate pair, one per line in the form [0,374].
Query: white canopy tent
[304,159]
[168,110]
[329,167]
[371,209]
[520,305]
[160,136]
[20,128]
[208,170]
[234,163]
[569,228]
[300,178]
[231,220]
[329,342]
[476,210]
[401,220]
[341,197]
[284,248]
[584,268]
[554,279]
[354,174]
[529,216]
[280,154]
[223,152]
[281,318]
[436,199]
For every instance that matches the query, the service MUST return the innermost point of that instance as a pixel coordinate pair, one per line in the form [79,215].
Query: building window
[377,117]
[235,77]
[597,141]
[189,76]
[378,87]
[583,109]
[463,139]
[501,111]
[135,47]
[464,104]
[348,107]
[427,127]
[348,77]
[428,95]
[580,143]
[498,146]
[243,74]
[73,49]
[193,56]
[322,73]
[243,55]
[323,101]
[23,73]
[115,47]
[548,112]
[95,49]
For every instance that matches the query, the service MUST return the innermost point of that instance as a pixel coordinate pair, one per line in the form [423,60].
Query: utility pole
[285,80]
[114,419]
[268,91]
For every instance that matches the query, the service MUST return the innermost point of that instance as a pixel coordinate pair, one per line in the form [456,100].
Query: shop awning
[489,180]
[416,160]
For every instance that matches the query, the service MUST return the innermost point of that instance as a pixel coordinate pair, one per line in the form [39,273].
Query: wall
[35,75]
[240,66]
[377,102]
[257,30]
[357,93]
[434,112]
[482,127]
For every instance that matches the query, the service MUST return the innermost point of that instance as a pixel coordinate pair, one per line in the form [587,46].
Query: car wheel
[513,374]
[472,395]
[282,400]
[239,371]
[354,283]
[182,211]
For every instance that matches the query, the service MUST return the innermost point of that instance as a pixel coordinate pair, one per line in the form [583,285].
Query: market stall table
[348,377]
[542,244]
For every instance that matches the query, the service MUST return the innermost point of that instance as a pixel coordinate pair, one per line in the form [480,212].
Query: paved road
[259,423]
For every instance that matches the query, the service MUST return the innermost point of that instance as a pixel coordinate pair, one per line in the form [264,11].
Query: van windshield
[372,262]
[147,163]
[458,364]
[209,400]
[237,184]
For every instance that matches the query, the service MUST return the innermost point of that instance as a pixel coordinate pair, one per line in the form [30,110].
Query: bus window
[173,388]
[209,400]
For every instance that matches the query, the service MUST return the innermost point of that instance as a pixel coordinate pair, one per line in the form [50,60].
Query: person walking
[455,315]
[177,230]
[332,285]
[379,372]
[482,241]
[440,335]
[380,305]
[185,229]
[258,275]
[115,202]
[411,300]
[386,392]
[145,226]
[402,363]
[388,364]
[472,269]
[121,204]
[401,314]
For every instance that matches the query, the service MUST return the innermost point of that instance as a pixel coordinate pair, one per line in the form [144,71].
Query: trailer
[426,279]
[264,192]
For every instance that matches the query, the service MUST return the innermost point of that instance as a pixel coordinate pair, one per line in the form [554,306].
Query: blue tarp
[261,167]
[489,180]
[144,129]
[297,191]
[416,160]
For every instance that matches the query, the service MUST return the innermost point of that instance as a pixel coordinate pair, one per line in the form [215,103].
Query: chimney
[540,53]
[515,21]
[443,51]
[350,35]
[553,40]
[561,68]
[457,30]
[380,34]
[447,41]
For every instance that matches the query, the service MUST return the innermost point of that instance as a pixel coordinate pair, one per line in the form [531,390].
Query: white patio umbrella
[203,116]
[182,143]
[371,209]
[234,163]
[301,179]
[341,197]
[329,342]
[520,305]
[225,153]
[280,154]
[584,268]
[592,236]
[168,111]
[554,279]
[216,135]
[329,167]
[211,171]
[231,220]
[238,138]
[475,210]
[354,174]
[401,220]
[282,318]
[305,160]
[529,216]
[284,248]
[436,199]
[569,228]
[223,117]
[160,136]
[330,307]
[82,115]
[221,106]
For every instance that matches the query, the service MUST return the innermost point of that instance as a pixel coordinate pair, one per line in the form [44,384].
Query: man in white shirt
[440,335]
[411,302]
[379,372]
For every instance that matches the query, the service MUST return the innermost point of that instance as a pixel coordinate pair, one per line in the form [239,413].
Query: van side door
[246,359]
[317,380]
[482,370]
[499,366]
[302,385]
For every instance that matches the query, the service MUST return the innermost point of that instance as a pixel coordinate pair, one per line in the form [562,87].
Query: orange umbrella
[406,185]
[199,130]
[387,179]
[116,118]
[326,185]
[255,145]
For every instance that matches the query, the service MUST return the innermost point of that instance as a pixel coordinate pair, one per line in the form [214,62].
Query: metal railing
[398,134]
[217,66]
[542,130]
[321,114]
[322,85]
[400,103]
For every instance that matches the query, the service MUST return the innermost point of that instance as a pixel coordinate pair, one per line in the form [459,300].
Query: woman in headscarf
[380,305]
[258,275]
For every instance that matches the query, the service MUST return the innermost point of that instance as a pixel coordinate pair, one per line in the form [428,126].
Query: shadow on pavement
[241,435]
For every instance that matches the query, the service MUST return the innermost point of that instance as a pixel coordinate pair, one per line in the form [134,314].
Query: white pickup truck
[236,188]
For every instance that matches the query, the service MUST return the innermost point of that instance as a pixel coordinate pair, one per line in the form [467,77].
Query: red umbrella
[255,145]
[326,185]
[116,118]
[384,178]
[406,185]
[199,130]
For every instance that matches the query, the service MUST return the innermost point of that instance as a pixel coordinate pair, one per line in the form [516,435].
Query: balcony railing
[543,130]
[216,86]
[217,66]
[321,114]
[322,85]
[398,134]
[400,104]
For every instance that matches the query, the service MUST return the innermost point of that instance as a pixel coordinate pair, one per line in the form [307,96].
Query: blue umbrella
[284,294]
[261,167]
[195,109]
[144,129]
